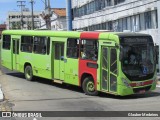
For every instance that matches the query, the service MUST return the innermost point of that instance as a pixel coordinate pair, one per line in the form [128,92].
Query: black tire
[28,72]
[88,86]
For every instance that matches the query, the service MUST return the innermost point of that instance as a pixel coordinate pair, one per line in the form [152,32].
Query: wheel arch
[84,75]
[26,64]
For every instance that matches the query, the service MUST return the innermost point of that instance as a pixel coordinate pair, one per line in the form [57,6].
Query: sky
[11,5]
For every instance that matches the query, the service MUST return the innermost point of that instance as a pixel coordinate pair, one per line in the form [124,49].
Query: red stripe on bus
[90,35]
[141,83]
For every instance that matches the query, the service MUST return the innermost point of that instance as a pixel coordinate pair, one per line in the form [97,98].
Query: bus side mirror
[157,53]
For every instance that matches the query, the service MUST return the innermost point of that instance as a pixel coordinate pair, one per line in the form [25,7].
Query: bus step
[58,81]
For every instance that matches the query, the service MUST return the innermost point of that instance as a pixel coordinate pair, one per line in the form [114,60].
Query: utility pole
[22,6]
[69,15]
[32,1]
[48,14]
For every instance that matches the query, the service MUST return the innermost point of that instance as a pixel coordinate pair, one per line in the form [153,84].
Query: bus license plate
[142,91]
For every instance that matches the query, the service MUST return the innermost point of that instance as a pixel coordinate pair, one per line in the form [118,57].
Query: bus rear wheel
[88,86]
[28,73]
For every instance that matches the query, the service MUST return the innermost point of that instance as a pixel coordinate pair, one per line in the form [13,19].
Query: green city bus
[116,63]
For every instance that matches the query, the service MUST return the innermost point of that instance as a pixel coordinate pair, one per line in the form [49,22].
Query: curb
[1,94]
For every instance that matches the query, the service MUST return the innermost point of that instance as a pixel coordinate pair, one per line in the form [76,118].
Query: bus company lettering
[24,115]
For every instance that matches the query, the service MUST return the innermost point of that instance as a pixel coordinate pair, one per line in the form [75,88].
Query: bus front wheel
[88,86]
[28,73]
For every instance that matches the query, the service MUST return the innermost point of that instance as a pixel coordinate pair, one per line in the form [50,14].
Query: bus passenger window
[89,50]
[6,42]
[26,44]
[40,45]
[72,48]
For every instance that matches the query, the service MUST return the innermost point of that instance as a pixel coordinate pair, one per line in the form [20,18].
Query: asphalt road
[43,95]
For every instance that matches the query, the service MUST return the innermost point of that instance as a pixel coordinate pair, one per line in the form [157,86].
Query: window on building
[108,3]
[118,1]
[72,48]
[97,5]
[6,42]
[134,23]
[110,25]
[85,9]
[142,22]
[103,26]
[137,23]
[89,50]
[91,7]
[27,44]
[147,16]
[103,4]
[154,19]
[125,25]
[13,16]
[119,26]
[40,45]
[128,23]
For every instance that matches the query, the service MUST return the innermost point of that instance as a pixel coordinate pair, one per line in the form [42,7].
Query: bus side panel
[6,58]
[42,66]
[24,58]
[39,63]
[71,71]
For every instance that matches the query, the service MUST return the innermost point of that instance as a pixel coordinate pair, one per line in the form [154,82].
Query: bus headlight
[125,82]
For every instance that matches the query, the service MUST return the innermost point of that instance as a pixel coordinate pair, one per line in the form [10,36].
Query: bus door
[15,55]
[109,70]
[58,60]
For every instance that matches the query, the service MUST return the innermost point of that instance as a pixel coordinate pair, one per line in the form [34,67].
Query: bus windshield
[138,61]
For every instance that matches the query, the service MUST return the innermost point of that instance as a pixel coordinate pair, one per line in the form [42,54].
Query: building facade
[15,17]
[118,15]
[58,19]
